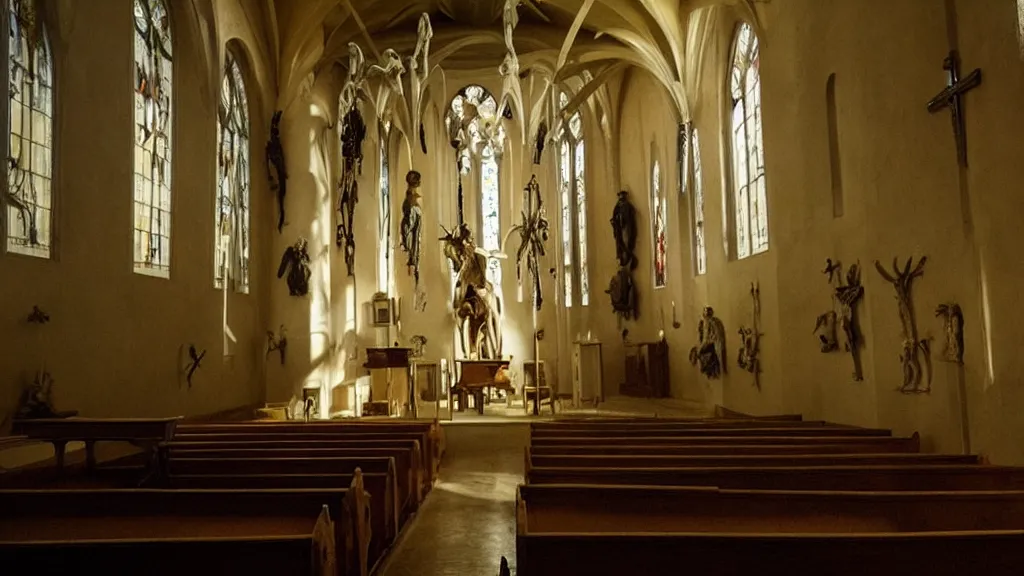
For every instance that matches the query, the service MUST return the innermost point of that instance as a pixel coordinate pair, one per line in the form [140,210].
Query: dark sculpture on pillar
[843,315]
[709,353]
[275,160]
[295,263]
[412,217]
[622,289]
[912,346]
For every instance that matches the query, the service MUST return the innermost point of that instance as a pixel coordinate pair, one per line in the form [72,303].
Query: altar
[477,376]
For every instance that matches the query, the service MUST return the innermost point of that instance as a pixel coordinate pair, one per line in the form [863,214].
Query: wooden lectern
[389,388]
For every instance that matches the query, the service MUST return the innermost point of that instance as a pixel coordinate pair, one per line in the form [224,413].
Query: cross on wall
[951,96]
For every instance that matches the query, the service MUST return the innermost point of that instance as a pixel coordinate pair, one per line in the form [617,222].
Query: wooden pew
[274,431]
[901,447]
[78,516]
[591,508]
[724,413]
[384,519]
[689,431]
[290,545]
[835,478]
[431,434]
[146,433]
[681,424]
[744,460]
[232,466]
[536,441]
[410,476]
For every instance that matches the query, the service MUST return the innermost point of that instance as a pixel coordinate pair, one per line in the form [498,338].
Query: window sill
[153,272]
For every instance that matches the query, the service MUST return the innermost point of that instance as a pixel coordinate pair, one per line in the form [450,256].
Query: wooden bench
[591,508]
[77,516]
[992,553]
[146,433]
[429,437]
[717,440]
[689,431]
[743,460]
[836,478]
[384,519]
[680,424]
[900,446]
[408,472]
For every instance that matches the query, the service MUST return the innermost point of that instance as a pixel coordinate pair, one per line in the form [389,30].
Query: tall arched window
[572,185]
[659,213]
[28,201]
[232,230]
[699,239]
[475,130]
[384,210]
[153,142]
[750,203]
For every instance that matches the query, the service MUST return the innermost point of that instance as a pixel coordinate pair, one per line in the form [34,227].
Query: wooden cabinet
[646,370]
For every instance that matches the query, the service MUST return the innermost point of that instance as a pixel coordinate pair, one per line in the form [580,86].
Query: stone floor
[467,522]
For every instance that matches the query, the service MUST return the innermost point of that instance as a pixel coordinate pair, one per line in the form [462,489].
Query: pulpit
[390,393]
[476,376]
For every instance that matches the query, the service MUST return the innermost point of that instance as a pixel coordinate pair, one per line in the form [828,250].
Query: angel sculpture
[953,328]
[709,353]
[391,69]
[354,82]
[511,89]
[295,263]
[533,233]
[475,303]
[275,160]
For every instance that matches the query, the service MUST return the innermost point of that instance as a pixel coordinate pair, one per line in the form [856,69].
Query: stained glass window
[153,105]
[384,213]
[700,245]
[572,180]
[749,189]
[28,204]
[565,184]
[658,216]
[232,222]
[472,122]
[490,210]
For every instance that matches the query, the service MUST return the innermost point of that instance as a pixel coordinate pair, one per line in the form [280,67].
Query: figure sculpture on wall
[37,398]
[476,306]
[352,133]
[953,327]
[709,353]
[193,363]
[751,339]
[295,263]
[912,346]
[542,134]
[843,315]
[419,346]
[622,289]
[277,343]
[533,234]
[412,217]
[419,72]
[275,160]
[511,88]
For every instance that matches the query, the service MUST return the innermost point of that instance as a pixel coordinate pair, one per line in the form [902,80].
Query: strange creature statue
[295,263]
[709,353]
[412,217]
[953,328]
[275,160]
[477,307]
[353,132]
[843,315]
[37,398]
[622,289]
[914,381]
[533,234]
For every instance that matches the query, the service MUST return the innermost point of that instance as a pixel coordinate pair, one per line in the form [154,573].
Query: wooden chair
[539,390]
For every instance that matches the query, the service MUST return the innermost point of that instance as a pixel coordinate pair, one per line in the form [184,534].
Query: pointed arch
[234,174]
[749,188]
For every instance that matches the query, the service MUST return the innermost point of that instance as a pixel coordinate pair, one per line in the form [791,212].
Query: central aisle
[467,522]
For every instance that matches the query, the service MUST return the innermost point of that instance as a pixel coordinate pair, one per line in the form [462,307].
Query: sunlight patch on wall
[986,310]
[1020,27]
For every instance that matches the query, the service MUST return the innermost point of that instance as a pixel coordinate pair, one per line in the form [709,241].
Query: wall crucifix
[950,98]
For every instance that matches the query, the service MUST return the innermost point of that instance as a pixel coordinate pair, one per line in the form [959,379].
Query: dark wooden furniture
[475,376]
[146,433]
[646,370]
[538,391]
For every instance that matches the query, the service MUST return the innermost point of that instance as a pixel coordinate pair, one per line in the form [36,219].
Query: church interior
[295,284]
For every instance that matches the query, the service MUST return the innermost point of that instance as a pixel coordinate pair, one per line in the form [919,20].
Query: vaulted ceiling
[559,38]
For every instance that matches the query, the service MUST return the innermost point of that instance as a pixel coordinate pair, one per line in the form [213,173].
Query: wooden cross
[950,98]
